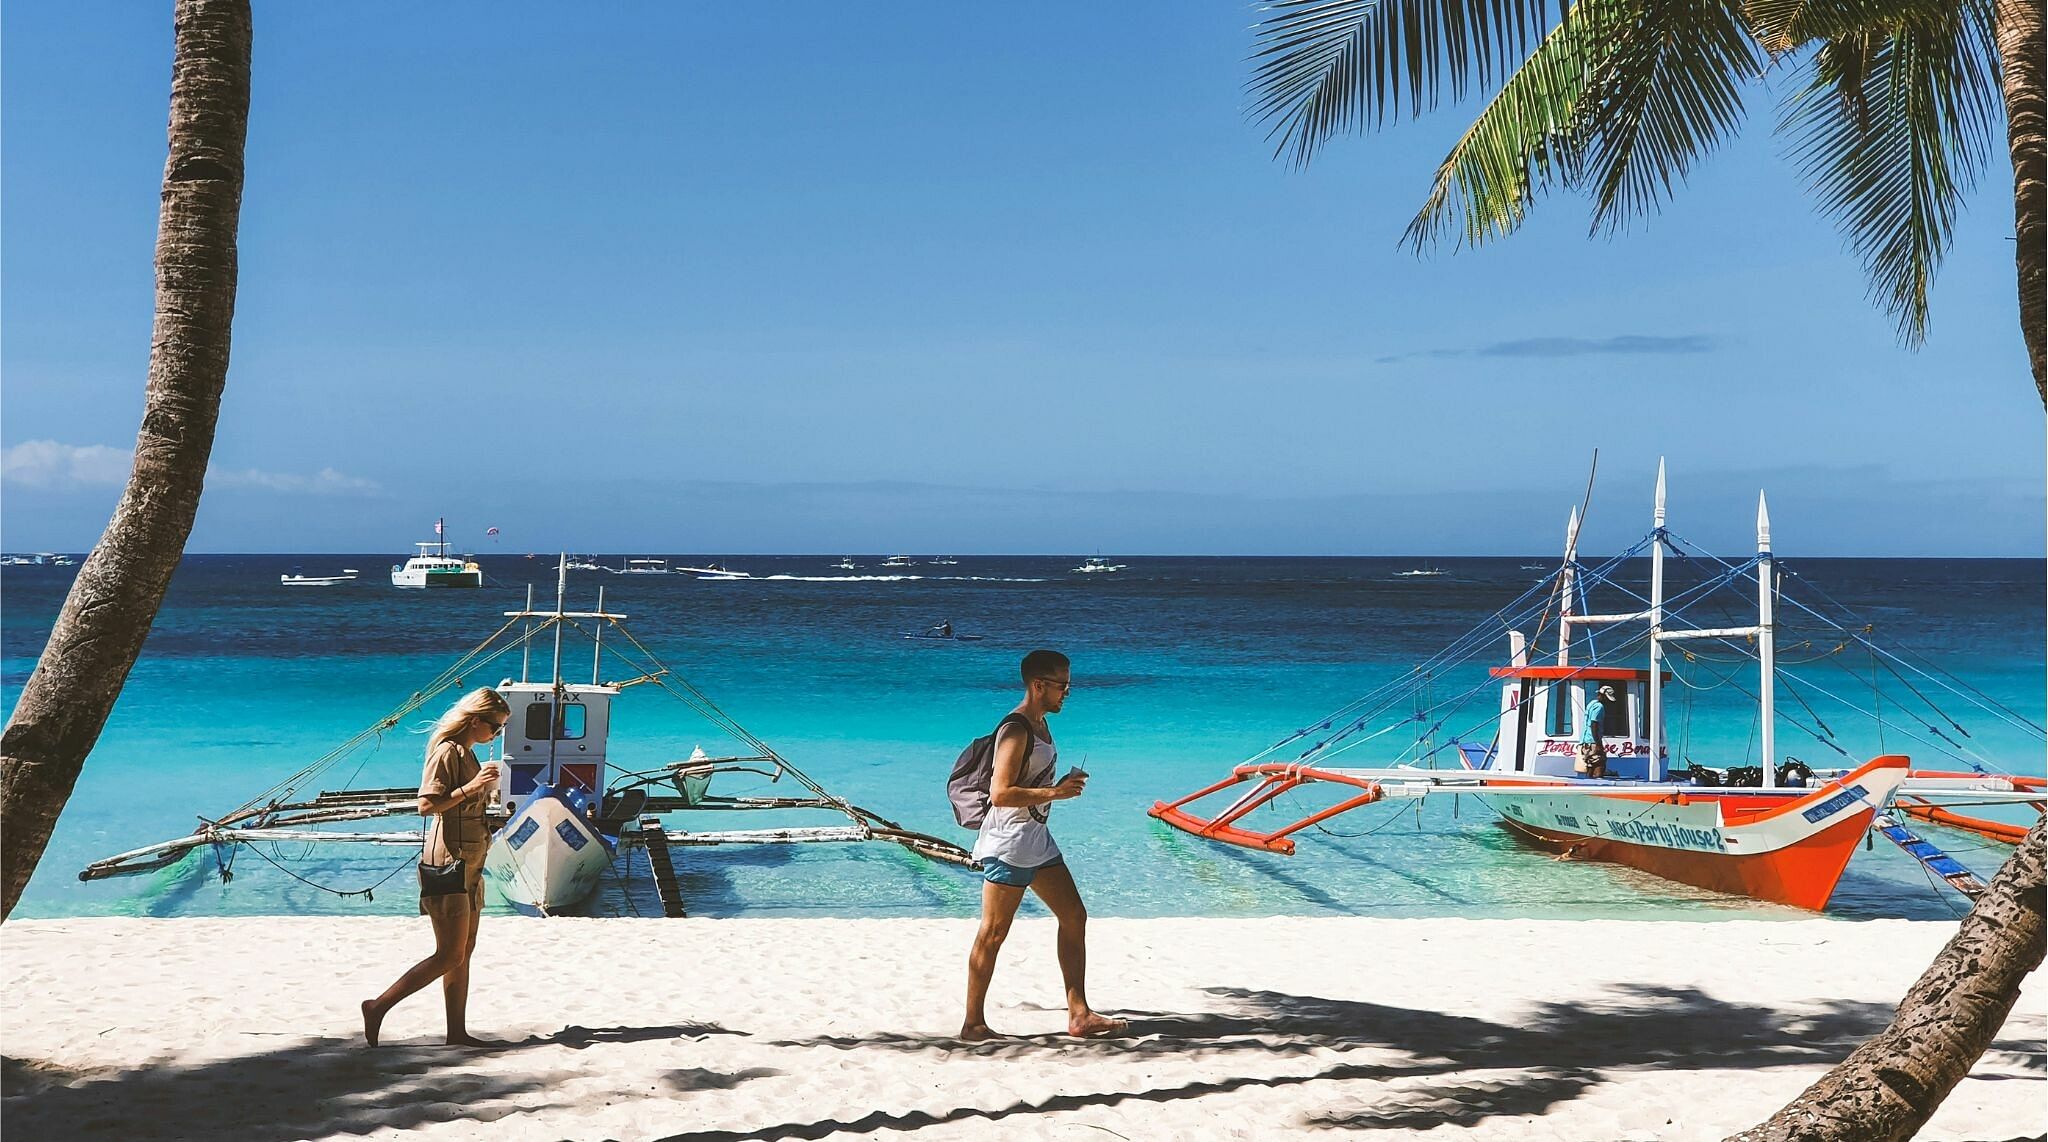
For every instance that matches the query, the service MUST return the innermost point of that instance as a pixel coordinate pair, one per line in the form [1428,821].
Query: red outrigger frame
[1925,810]
[1276,778]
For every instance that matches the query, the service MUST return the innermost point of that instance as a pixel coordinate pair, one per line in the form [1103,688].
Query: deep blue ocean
[1182,667]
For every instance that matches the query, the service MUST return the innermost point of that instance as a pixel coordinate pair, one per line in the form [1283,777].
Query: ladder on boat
[663,867]
[1933,859]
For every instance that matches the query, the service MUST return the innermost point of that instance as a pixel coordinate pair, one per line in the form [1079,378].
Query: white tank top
[1015,835]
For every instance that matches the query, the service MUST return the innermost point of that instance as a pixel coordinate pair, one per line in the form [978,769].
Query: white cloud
[49,464]
[326,482]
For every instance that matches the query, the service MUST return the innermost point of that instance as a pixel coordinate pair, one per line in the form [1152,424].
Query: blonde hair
[476,704]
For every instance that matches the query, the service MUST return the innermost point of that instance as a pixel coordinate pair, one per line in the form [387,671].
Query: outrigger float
[563,810]
[1782,831]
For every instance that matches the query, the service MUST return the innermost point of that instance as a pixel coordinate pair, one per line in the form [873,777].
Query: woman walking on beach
[452,794]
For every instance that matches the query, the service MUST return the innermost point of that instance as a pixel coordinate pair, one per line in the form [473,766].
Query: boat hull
[434,579]
[548,858]
[1787,846]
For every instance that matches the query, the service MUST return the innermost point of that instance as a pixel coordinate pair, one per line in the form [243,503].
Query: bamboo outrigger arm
[1275,778]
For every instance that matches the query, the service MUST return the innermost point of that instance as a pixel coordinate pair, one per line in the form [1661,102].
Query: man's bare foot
[468,1040]
[1092,1026]
[373,1021]
[978,1032]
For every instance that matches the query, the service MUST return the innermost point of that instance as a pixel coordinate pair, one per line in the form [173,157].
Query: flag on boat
[437,527]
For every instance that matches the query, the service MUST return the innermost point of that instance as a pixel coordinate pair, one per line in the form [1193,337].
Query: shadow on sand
[1424,1069]
[309,1089]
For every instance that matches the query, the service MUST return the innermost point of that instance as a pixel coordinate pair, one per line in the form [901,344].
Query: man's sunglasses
[1063,686]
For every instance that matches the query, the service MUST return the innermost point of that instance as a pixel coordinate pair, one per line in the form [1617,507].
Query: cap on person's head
[1607,691]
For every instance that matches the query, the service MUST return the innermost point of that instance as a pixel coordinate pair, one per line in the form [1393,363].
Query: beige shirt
[450,766]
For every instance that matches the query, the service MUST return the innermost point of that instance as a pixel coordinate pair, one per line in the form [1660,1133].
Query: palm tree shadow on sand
[1561,1051]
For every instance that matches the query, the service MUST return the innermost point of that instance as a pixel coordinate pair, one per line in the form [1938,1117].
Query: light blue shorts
[1001,872]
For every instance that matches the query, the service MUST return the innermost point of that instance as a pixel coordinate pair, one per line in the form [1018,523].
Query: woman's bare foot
[978,1032]
[468,1040]
[373,1021]
[1089,1025]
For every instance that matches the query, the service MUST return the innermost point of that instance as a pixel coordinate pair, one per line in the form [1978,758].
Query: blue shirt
[1591,732]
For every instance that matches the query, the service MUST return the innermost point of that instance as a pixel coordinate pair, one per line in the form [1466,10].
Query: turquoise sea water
[1182,667]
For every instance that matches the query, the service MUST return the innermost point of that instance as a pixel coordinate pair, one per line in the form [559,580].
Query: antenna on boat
[1766,641]
[1656,712]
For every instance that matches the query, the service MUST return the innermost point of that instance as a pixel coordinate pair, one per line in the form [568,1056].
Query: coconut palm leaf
[1524,141]
[1620,99]
[1668,91]
[1328,66]
[1891,132]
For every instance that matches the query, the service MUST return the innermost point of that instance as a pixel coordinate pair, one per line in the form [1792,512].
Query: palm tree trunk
[108,614]
[1890,1086]
[2018,28]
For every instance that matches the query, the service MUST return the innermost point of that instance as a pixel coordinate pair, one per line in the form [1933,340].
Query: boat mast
[558,716]
[1656,712]
[597,640]
[1766,641]
[526,642]
[441,535]
[1571,556]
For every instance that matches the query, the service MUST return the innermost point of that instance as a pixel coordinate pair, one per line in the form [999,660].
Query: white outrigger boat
[564,808]
[1780,831]
[434,567]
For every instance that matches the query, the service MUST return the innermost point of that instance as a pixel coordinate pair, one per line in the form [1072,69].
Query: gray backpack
[967,788]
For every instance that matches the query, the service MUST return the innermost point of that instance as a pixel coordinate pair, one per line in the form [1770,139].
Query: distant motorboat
[943,561]
[713,571]
[582,563]
[641,567]
[434,567]
[1097,565]
[899,561]
[948,637]
[1421,572]
[846,564]
[295,579]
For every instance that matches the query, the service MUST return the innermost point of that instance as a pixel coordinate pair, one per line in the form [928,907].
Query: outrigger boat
[564,809]
[1782,831]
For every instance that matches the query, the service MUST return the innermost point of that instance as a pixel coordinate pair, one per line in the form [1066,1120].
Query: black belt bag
[451,879]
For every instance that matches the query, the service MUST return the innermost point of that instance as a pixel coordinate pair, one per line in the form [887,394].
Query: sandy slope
[247,1028]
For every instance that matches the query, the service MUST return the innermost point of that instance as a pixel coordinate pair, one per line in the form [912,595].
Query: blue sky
[828,277]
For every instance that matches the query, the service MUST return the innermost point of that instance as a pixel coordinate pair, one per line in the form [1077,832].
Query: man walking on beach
[1016,850]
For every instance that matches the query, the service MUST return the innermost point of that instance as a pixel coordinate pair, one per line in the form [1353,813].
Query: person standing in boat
[1016,850]
[453,792]
[1592,751]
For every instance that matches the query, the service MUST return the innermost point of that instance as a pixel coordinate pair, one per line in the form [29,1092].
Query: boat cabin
[553,743]
[1543,712]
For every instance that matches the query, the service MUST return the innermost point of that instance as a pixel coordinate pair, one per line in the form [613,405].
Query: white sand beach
[713,1029]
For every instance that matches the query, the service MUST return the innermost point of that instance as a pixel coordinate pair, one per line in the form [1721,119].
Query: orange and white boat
[1781,832]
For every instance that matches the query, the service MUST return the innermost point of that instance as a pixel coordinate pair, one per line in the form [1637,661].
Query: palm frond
[1891,132]
[1323,67]
[1669,91]
[1619,100]
[1525,139]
